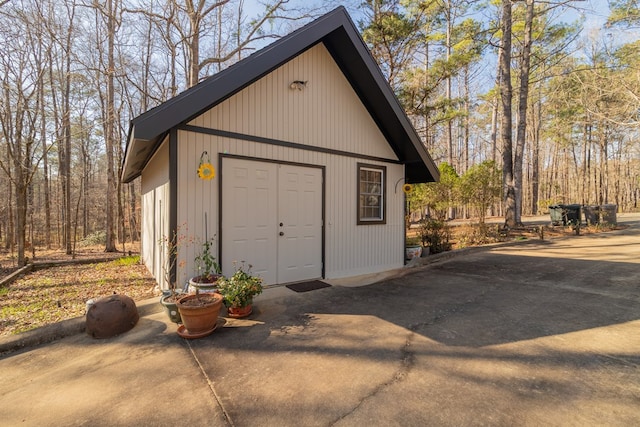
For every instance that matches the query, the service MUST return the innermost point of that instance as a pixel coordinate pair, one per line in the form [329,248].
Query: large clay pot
[199,313]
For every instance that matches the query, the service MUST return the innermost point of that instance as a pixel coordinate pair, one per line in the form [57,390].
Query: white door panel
[272,219]
[300,213]
[249,217]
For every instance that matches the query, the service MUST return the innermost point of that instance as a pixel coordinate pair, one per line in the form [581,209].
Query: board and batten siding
[327,113]
[155,211]
[350,249]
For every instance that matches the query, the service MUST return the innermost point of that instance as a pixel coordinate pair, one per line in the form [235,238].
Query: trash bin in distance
[609,214]
[592,214]
[555,211]
[572,214]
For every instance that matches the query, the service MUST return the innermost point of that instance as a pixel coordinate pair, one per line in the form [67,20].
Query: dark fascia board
[351,54]
[339,34]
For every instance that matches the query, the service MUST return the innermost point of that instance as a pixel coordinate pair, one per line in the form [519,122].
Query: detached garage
[309,148]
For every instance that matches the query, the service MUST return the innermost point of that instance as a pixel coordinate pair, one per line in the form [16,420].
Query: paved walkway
[539,333]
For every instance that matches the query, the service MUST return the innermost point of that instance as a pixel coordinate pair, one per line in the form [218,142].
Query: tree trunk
[448,95]
[133,219]
[523,100]
[45,171]
[66,126]
[506,121]
[535,159]
[193,42]
[110,128]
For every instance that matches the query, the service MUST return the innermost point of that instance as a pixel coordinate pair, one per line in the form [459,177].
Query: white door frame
[322,169]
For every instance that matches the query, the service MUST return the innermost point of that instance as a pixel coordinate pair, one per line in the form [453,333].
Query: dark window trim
[383,169]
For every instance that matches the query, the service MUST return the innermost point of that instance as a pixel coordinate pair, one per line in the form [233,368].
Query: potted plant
[412,248]
[170,295]
[208,270]
[238,291]
[199,313]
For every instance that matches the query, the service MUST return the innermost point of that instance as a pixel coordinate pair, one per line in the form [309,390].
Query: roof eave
[339,34]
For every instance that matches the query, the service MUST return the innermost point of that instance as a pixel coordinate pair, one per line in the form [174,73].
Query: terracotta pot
[238,312]
[200,312]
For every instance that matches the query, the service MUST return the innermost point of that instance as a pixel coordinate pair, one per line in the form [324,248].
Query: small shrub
[435,234]
[478,234]
[412,241]
[94,239]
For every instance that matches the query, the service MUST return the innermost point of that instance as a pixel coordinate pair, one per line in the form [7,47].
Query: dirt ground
[465,233]
[60,292]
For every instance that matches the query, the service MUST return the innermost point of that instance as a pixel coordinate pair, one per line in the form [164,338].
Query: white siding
[196,198]
[327,113]
[155,211]
[350,249]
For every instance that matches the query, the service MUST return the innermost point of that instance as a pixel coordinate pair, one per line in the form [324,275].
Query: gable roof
[338,33]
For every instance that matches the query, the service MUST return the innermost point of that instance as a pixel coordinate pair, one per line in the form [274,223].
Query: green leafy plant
[435,234]
[239,289]
[93,239]
[480,187]
[127,261]
[206,263]
[412,241]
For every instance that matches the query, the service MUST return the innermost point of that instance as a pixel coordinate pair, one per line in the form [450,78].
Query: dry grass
[468,234]
[57,293]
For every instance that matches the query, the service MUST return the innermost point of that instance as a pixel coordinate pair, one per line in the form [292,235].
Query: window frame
[383,194]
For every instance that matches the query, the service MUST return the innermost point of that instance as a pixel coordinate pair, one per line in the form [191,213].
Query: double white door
[272,219]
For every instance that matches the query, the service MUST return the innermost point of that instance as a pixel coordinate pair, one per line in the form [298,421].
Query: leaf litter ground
[58,293]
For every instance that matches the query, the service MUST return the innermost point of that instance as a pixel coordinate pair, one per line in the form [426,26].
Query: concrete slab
[540,333]
[146,376]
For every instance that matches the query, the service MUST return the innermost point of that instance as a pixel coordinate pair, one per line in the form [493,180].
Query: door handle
[282,233]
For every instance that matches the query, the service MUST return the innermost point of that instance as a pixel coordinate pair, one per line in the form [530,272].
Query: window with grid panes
[371,194]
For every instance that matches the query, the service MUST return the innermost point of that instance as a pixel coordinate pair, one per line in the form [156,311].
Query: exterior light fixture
[298,85]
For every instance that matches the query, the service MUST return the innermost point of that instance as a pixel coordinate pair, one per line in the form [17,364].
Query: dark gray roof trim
[342,40]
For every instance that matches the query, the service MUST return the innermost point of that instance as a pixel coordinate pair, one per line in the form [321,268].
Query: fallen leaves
[58,293]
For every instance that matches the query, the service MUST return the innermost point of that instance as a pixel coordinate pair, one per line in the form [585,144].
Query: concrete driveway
[535,333]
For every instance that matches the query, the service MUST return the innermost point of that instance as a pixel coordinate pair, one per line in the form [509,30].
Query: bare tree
[19,114]
[523,103]
[506,123]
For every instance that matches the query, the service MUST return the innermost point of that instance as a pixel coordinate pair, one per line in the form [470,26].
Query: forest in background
[511,84]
